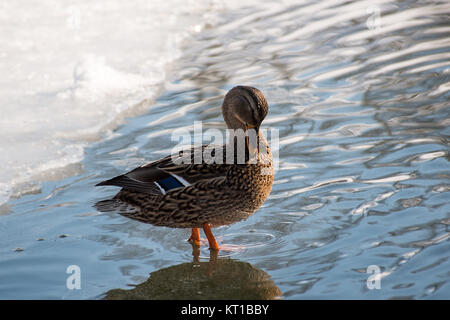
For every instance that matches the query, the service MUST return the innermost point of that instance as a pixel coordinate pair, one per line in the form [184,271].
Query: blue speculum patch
[169,183]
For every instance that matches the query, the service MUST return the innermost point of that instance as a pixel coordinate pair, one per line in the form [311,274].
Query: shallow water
[361,104]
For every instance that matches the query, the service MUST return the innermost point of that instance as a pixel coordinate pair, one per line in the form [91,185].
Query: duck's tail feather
[117,206]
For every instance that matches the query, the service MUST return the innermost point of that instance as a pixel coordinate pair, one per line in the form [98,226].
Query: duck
[178,192]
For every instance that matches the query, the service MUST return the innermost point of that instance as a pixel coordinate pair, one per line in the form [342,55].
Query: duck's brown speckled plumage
[219,200]
[218,194]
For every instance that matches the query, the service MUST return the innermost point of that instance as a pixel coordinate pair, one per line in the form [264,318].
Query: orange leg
[195,236]
[211,240]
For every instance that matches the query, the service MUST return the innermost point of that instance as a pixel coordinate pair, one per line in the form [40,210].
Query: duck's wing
[141,179]
[174,171]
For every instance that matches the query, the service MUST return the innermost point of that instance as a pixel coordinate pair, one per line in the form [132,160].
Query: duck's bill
[252,141]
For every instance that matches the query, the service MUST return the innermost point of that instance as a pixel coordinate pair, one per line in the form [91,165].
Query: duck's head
[244,108]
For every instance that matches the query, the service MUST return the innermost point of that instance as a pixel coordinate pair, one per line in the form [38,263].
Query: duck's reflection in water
[218,278]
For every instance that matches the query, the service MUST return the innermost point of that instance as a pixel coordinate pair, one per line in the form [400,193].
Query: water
[359,92]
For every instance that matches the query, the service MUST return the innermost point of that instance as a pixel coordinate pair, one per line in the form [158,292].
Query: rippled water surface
[359,92]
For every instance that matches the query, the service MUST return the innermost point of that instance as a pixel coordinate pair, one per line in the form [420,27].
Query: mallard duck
[187,194]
